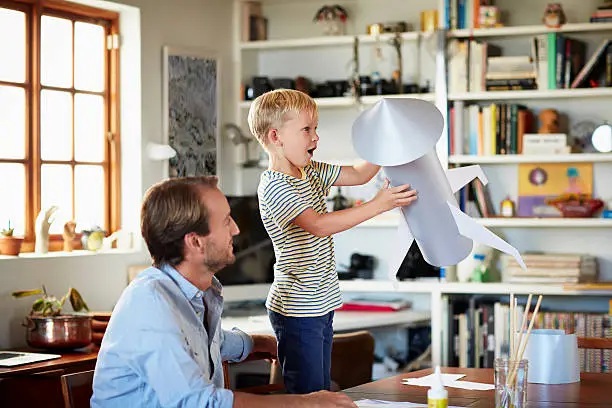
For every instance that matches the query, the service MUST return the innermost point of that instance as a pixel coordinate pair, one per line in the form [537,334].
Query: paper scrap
[429,379]
[449,380]
[368,403]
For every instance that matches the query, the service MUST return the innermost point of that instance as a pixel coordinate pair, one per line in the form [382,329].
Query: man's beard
[217,259]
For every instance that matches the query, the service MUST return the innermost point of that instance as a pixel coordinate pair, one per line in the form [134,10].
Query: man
[164,344]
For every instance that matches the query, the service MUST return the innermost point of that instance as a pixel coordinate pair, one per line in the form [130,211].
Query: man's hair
[172,209]
[269,110]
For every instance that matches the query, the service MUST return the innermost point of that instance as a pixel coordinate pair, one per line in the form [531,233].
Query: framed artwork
[540,181]
[191,110]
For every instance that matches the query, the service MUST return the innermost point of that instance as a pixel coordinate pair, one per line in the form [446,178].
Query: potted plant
[9,244]
[49,328]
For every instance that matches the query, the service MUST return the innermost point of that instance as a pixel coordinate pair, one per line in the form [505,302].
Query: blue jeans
[304,351]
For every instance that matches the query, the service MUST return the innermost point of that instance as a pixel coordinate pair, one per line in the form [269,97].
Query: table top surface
[593,391]
[69,358]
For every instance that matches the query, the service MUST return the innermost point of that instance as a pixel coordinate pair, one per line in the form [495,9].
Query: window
[59,140]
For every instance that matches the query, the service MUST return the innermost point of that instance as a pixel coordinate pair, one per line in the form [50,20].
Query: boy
[291,193]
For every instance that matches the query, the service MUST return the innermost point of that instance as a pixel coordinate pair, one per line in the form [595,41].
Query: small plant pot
[10,245]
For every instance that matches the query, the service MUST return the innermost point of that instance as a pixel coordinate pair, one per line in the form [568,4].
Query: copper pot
[58,332]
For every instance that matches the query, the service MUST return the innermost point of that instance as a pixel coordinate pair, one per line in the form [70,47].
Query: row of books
[479,332]
[484,130]
[550,268]
[556,62]
[462,14]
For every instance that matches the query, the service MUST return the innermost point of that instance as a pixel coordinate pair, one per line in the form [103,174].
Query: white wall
[100,278]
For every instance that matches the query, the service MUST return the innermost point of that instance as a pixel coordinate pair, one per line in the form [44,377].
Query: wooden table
[593,391]
[38,384]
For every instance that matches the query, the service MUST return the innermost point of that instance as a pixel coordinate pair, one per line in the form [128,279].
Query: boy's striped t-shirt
[305,278]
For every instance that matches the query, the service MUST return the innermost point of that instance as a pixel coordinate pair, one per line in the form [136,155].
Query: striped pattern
[305,278]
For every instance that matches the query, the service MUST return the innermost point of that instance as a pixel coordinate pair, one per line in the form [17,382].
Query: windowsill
[73,254]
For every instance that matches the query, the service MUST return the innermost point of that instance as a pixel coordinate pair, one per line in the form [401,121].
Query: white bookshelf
[527,30]
[345,101]
[391,221]
[558,234]
[436,286]
[532,94]
[328,41]
[531,158]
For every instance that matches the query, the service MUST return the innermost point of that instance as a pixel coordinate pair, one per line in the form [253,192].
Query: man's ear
[192,241]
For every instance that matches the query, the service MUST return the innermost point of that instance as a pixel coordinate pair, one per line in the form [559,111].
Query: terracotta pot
[10,245]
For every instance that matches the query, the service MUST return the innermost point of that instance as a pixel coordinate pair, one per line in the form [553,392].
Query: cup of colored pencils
[511,373]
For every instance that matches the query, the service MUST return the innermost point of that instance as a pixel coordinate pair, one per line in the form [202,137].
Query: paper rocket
[400,134]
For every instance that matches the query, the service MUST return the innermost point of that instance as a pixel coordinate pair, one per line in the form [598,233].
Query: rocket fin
[461,176]
[471,229]
[400,249]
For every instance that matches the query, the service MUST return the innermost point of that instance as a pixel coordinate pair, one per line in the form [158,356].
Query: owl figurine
[554,17]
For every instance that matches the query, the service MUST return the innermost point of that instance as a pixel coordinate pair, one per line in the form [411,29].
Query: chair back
[352,359]
[594,343]
[77,389]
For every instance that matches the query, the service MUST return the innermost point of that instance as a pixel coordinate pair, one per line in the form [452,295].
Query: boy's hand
[392,197]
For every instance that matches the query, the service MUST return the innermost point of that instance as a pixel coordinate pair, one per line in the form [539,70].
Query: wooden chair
[352,359]
[351,365]
[271,388]
[77,389]
[594,343]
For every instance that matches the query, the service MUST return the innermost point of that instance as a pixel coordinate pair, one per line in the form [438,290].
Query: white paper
[368,403]
[449,380]
[461,176]
[400,134]
[430,379]
[396,131]
[553,357]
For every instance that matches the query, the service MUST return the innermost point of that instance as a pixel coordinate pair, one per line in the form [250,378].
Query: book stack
[550,268]
[603,14]
[510,73]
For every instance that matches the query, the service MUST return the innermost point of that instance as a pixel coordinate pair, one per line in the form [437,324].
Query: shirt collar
[190,291]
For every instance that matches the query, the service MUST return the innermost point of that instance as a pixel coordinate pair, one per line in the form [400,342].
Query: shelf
[546,222]
[429,286]
[326,41]
[531,158]
[391,221]
[345,101]
[529,30]
[532,94]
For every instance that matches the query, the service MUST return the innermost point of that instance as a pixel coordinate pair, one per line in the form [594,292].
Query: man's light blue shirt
[155,352]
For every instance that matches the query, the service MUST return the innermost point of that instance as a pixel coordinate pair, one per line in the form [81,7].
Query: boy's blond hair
[270,109]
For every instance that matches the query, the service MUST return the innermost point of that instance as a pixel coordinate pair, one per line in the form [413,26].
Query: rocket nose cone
[396,131]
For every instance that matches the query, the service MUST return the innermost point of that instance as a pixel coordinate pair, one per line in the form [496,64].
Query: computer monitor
[252,247]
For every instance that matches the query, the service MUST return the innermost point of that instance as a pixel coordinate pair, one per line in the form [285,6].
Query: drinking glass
[510,383]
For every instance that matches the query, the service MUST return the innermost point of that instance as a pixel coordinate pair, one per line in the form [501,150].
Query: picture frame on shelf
[191,110]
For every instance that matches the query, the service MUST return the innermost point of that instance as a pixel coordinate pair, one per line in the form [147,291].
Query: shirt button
[199,294]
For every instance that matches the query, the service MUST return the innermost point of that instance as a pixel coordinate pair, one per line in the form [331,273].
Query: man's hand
[264,343]
[320,399]
[326,399]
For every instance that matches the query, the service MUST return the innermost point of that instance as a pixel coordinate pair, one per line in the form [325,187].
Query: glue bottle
[437,396]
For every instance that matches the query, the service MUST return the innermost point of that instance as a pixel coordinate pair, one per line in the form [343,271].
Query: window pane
[12,122]
[13,51]
[88,128]
[89,51]
[89,196]
[56,189]
[55,125]
[56,51]
[12,197]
